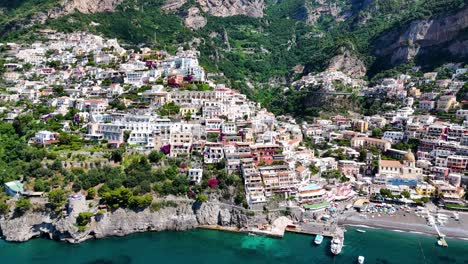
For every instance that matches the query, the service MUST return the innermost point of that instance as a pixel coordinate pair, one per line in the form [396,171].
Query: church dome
[409,156]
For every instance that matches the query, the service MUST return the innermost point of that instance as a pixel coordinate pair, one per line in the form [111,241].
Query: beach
[407,221]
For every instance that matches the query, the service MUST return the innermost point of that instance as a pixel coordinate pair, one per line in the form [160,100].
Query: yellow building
[446,102]
[361,126]
[425,189]
[185,109]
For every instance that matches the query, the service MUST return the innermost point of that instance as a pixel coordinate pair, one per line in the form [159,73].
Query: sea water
[208,246]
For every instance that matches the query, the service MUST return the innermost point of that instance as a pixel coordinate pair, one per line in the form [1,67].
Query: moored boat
[360,260]
[361,231]
[336,246]
[318,239]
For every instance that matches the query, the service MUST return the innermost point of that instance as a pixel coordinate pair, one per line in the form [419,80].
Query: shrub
[22,205]
[84,218]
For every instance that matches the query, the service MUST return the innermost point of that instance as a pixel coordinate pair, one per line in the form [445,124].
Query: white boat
[361,231]
[360,260]
[336,246]
[318,239]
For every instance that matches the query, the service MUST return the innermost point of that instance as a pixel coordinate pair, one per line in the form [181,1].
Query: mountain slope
[265,42]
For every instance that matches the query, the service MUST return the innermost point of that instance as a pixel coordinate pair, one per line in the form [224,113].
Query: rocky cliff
[224,8]
[194,19]
[122,222]
[349,64]
[420,35]
[90,6]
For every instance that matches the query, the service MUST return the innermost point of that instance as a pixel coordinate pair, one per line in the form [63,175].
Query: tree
[313,169]
[65,138]
[4,208]
[377,132]
[22,205]
[239,199]
[155,156]
[386,192]
[406,194]
[57,198]
[117,155]
[40,185]
[425,199]
[137,202]
[84,218]
[212,137]
[169,109]
[106,82]
[91,193]
[201,198]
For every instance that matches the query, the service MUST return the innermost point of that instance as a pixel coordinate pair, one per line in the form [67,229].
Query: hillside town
[101,99]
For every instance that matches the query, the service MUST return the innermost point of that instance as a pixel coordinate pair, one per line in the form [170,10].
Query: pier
[442,242]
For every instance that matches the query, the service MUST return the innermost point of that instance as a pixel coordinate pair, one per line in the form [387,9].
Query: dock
[317,229]
[442,242]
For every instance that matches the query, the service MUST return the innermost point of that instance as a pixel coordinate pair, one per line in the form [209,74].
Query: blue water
[207,246]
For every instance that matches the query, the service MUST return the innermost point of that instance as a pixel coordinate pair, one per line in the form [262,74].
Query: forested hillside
[291,39]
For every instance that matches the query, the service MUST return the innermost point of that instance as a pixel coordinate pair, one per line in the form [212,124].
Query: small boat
[442,243]
[361,231]
[360,260]
[252,234]
[318,239]
[336,246]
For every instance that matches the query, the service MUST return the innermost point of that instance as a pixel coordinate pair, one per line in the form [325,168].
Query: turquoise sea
[207,246]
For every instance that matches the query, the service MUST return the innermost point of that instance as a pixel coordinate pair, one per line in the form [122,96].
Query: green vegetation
[84,218]
[4,207]
[456,206]
[57,198]
[123,197]
[334,174]
[169,109]
[256,49]
[156,206]
[91,193]
[201,198]
[22,205]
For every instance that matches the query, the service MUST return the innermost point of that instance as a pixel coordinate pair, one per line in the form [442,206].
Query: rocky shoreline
[121,222]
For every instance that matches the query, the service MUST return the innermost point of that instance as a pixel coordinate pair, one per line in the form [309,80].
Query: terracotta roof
[390,163]
[293,141]
[300,168]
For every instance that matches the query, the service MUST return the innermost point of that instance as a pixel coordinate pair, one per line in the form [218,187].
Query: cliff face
[121,222]
[90,6]
[224,8]
[419,36]
[194,18]
[349,64]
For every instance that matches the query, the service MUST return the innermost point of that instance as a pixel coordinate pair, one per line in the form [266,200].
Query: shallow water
[207,246]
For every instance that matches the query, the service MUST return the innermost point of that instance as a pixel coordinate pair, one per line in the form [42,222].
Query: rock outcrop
[420,35]
[319,8]
[225,8]
[173,5]
[90,6]
[194,19]
[122,222]
[349,64]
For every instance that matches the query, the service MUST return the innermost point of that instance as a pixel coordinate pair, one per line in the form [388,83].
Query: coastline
[409,226]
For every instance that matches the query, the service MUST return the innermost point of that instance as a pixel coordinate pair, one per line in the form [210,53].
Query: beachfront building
[278,179]
[311,194]
[425,189]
